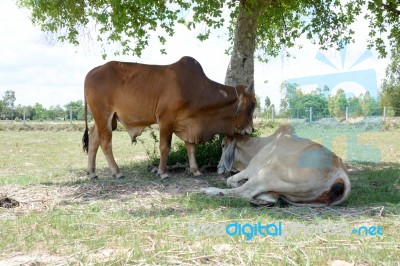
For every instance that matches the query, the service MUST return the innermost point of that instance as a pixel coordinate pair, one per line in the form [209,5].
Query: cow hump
[189,63]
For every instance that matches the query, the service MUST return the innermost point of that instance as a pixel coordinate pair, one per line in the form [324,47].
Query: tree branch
[391,9]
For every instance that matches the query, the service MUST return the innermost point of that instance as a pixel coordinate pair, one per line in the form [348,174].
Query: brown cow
[178,97]
[283,166]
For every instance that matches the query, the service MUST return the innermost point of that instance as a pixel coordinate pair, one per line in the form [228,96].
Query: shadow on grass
[373,187]
[375,184]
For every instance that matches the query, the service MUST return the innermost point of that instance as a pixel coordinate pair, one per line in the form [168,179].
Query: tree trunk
[241,67]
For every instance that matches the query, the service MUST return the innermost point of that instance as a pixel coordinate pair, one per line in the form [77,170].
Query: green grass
[68,219]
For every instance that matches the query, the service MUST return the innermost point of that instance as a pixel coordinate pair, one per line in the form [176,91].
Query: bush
[207,153]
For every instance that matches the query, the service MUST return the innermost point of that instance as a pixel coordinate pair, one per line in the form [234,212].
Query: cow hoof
[119,176]
[164,176]
[92,176]
[197,174]
[232,183]
[262,203]
[212,191]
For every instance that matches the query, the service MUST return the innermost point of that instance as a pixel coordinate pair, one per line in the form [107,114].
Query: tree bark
[241,66]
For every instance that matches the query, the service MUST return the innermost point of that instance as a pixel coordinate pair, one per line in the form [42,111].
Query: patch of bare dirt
[94,257]
[29,198]
[35,259]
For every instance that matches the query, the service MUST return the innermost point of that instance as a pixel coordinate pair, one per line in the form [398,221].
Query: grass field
[65,218]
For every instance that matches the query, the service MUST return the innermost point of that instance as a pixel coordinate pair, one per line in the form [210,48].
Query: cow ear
[250,88]
[229,155]
[239,108]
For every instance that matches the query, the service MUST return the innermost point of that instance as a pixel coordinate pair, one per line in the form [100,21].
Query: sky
[54,74]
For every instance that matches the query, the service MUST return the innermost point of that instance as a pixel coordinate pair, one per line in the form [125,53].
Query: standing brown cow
[178,97]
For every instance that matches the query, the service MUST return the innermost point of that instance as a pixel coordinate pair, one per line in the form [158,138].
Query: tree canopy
[278,23]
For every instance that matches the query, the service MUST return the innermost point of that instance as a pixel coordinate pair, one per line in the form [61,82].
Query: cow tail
[336,191]
[339,191]
[85,138]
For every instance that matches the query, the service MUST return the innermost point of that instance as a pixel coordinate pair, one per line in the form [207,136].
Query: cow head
[227,156]
[245,110]
[232,158]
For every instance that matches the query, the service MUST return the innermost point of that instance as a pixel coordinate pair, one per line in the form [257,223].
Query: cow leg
[104,129]
[165,147]
[248,190]
[106,146]
[94,142]
[190,149]
[234,180]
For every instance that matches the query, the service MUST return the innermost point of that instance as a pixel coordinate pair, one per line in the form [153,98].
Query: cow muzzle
[221,166]
[247,131]
[221,170]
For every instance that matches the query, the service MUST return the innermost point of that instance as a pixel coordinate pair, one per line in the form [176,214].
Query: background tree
[390,94]
[355,108]
[314,100]
[39,112]
[257,111]
[57,113]
[77,110]
[267,108]
[299,103]
[9,100]
[284,106]
[337,104]
[257,28]
[267,102]
[2,110]
[19,112]
[365,103]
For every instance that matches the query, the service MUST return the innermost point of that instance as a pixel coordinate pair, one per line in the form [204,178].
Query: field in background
[64,218]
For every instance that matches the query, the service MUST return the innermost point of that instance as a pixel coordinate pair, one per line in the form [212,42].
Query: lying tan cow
[283,166]
[178,97]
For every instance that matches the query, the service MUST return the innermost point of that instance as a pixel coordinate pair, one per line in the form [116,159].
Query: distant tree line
[8,110]
[295,103]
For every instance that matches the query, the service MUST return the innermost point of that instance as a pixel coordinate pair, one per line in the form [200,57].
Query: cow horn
[250,88]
